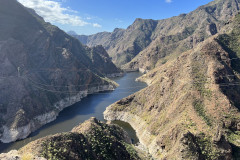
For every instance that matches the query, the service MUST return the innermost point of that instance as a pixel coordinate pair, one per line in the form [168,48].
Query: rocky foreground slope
[93,140]
[190,110]
[42,71]
[147,40]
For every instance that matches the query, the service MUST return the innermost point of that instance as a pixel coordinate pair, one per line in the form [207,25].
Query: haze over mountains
[190,109]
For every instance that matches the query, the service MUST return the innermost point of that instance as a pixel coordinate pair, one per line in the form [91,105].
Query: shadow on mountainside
[232,90]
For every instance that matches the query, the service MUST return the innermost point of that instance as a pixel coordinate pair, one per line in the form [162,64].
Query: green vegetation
[99,141]
[199,108]
[200,80]
[234,139]
[108,142]
[66,146]
[208,149]
[104,145]
[200,147]
[131,150]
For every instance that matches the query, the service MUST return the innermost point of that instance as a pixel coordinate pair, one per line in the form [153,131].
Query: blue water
[91,106]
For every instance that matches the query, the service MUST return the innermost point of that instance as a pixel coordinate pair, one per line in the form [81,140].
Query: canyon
[189,110]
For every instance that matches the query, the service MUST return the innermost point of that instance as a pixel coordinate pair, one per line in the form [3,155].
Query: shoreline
[13,134]
[146,139]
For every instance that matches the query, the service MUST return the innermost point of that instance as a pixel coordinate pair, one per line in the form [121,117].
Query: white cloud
[168,1]
[53,12]
[97,25]
[88,18]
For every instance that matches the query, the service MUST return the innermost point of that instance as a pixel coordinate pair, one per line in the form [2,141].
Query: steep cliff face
[90,140]
[178,34]
[190,109]
[102,62]
[148,40]
[42,70]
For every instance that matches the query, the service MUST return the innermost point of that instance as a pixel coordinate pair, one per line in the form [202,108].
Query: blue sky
[92,16]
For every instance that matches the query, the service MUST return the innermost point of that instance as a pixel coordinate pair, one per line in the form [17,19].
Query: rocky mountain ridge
[190,109]
[146,41]
[90,140]
[187,112]
[42,71]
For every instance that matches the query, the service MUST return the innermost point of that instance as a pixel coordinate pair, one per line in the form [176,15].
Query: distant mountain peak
[72,33]
[149,38]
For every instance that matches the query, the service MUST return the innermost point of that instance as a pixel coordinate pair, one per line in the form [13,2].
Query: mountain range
[143,43]
[43,70]
[190,109]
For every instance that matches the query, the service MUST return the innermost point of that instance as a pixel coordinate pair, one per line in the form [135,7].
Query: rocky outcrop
[90,140]
[42,71]
[146,41]
[15,155]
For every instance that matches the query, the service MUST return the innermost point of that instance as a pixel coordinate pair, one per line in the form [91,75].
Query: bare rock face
[146,41]
[42,71]
[103,62]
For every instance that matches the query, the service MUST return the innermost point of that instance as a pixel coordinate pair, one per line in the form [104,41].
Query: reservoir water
[91,106]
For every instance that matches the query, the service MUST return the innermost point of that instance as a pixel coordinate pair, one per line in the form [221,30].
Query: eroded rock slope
[190,110]
[42,71]
[147,40]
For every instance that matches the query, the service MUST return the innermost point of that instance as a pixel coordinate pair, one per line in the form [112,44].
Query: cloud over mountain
[53,12]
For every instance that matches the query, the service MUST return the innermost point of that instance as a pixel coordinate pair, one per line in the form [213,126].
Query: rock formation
[190,110]
[93,140]
[42,71]
[144,42]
